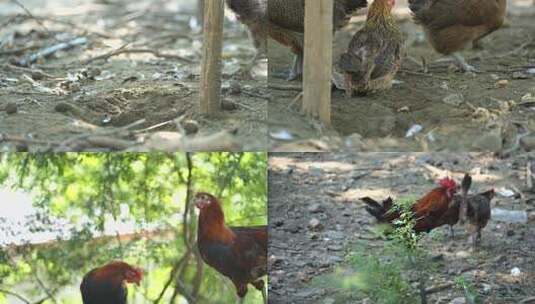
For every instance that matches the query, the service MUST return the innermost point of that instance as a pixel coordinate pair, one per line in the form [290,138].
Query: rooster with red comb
[429,212]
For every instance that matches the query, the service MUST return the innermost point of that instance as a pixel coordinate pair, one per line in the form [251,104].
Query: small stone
[315,224]
[486,287]
[190,126]
[235,88]
[462,254]
[329,301]
[459,300]
[515,272]
[315,208]
[528,143]
[502,83]
[11,108]
[228,105]
[404,109]
[454,99]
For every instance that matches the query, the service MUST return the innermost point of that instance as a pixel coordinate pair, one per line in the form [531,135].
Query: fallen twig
[122,50]
[439,288]
[51,50]
[284,87]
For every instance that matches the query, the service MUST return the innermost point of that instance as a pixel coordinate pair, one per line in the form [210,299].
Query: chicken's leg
[452,234]
[297,68]
[260,286]
[463,64]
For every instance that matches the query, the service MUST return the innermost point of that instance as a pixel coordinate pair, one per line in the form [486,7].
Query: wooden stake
[318,59]
[211,56]
[530,175]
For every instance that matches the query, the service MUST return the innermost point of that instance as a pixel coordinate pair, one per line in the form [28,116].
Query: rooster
[374,53]
[451,25]
[107,284]
[429,211]
[239,253]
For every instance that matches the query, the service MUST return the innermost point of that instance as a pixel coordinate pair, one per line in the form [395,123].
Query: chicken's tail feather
[374,208]
[465,186]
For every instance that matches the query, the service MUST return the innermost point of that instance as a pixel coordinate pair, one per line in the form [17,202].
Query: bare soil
[327,186]
[73,92]
[488,117]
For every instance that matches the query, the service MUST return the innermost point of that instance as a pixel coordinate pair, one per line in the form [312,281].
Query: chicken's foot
[247,71]
[461,62]
[297,68]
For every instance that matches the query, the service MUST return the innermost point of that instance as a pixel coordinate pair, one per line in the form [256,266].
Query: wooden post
[210,87]
[318,59]
[530,175]
[200,12]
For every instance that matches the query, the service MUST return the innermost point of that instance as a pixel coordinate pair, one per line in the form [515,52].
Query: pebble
[315,208]
[228,105]
[11,108]
[515,272]
[190,126]
[462,254]
[459,300]
[315,224]
[502,83]
[454,99]
[329,301]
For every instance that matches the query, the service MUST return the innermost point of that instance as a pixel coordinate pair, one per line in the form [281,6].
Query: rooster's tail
[377,210]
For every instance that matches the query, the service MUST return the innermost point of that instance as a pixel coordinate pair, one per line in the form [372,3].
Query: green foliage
[384,274]
[87,191]
[468,289]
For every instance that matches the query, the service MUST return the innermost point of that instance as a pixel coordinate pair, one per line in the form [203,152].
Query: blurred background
[65,214]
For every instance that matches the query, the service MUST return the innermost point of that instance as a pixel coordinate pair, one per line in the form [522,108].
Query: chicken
[451,217]
[106,284]
[284,22]
[253,13]
[429,211]
[374,53]
[477,210]
[451,25]
[239,253]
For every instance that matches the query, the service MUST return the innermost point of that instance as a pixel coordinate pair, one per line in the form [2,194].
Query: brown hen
[374,54]
[451,25]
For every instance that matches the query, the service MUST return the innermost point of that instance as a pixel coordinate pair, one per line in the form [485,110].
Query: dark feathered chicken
[253,13]
[239,253]
[106,284]
[451,25]
[374,54]
[477,210]
[285,22]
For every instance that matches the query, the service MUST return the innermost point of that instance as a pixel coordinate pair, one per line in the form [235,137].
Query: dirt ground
[491,114]
[327,187]
[74,92]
